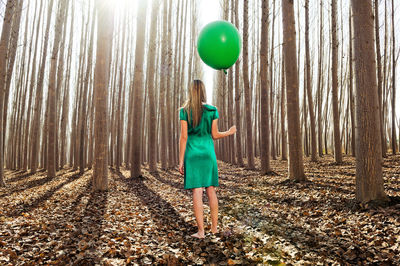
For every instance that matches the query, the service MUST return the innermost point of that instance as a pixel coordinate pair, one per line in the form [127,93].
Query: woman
[197,160]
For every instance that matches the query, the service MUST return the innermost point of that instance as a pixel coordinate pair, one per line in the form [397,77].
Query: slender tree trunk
[264,126]
[335,109]
[237,100]
[283,111]
[320,81]
[39,92]
[296,168]
[138,91]
[105,25]
[12,49]
[353,127]
[52,116]
[369,180]
[247,89]
[151,90]
[4,40]
[309,93]
[394,135]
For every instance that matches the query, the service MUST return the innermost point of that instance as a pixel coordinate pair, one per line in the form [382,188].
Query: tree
[39,93]
[308,87]
[264,126]
[369,180]
[105,26]
[335,108]
[237,98]
[151,90]
[247,91]
[4,40]
[296,168]
[394,135]
[138,91]
[52,123]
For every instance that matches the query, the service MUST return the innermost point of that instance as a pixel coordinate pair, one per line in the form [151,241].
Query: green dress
[200,161]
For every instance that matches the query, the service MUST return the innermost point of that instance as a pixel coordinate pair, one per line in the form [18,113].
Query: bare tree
[296,168]
[138,91]
[335,108]
[247,90]
[264,126]
[308,87]
[52,123]
[105,27]
[5,35]
[369,180]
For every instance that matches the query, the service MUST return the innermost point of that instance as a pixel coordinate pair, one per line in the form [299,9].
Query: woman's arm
[182,144]
[218,135]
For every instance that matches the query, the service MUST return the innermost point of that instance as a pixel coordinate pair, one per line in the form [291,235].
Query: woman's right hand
[232,130]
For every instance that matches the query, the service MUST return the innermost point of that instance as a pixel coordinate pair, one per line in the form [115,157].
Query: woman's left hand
[181,168]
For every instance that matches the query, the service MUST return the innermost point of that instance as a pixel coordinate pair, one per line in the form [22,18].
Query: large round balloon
[219,44]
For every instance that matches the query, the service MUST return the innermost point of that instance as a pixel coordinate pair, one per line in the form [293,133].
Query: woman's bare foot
[214,230]
[198,235]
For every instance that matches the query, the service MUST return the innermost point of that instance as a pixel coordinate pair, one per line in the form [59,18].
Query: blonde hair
[193,105]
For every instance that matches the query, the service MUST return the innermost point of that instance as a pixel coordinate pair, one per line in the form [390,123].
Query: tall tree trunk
[335,108]
[83,123]
[296,168]
[320,81]
[264,126]
[105,25]
[163,88]
[309,93]
[353,126]
[151,90]
[394,136]
[39,92]
[52,96]
[247,89]
[271,75]
[12,49]
[4,40]
[138,91]
[369,180]
[283,111]
[237,99]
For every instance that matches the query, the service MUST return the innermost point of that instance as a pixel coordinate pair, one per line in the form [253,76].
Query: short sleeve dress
[200,161]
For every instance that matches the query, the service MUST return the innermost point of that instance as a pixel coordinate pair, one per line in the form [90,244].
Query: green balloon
[219,44]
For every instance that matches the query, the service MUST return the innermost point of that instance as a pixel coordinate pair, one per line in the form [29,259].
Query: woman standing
[197,160]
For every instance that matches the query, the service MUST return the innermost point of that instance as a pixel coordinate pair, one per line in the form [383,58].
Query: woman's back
[204,127]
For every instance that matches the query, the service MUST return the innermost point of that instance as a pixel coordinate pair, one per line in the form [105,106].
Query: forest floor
[263,219]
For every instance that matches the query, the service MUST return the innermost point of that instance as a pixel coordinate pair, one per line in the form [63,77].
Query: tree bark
[52,116]
[138,91]
[335,108]
[264,125]
[369,180]
[296,168]
[105,25]
[394,135]
[247,89]
[309,93]
[4,40]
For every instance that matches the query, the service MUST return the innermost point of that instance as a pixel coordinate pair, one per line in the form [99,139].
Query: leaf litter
[262,219]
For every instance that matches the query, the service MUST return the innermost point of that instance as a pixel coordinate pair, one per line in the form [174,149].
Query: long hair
[193,105]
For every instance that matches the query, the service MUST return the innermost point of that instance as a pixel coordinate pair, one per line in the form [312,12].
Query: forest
[90,93]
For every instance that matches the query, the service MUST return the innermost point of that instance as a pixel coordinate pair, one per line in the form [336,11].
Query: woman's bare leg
[213,201]
[198,211]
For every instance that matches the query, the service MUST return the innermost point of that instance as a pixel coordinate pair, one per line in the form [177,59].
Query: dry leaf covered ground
[263,219]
